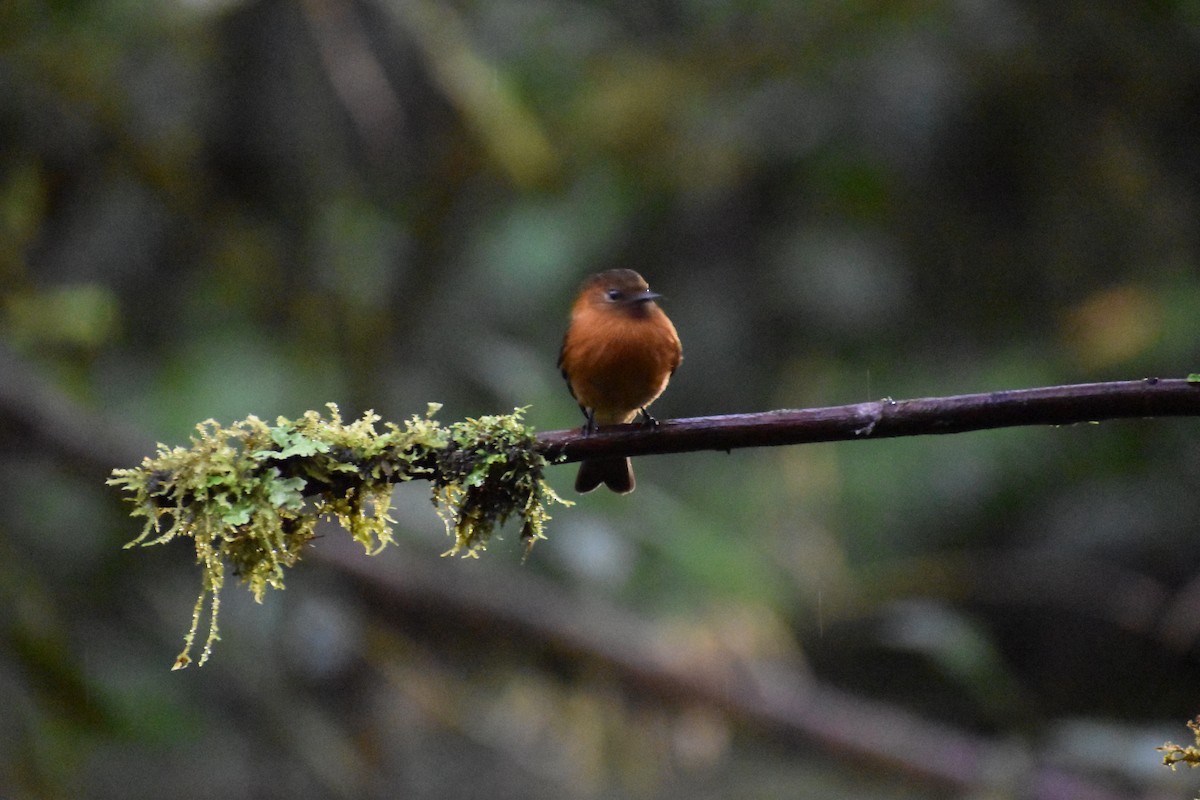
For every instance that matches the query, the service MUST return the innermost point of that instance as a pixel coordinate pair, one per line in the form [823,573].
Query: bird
[618,354]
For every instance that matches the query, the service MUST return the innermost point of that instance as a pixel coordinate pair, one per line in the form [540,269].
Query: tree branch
[38,417]
[251,494]
[779,698]
[887,418]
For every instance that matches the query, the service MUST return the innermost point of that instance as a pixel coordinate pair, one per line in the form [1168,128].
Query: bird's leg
[647,420]
[589,425]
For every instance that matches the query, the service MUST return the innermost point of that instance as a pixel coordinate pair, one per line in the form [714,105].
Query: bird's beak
[645,297]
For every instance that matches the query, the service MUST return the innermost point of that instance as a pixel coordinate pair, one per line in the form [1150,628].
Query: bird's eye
[614,294]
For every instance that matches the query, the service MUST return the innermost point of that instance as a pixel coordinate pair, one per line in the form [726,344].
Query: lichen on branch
[250,495]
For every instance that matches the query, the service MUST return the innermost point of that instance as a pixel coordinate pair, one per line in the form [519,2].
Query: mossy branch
[250,495]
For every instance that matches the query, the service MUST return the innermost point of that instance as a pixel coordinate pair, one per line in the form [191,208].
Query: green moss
[250,495]
[1175,754]
[488,471]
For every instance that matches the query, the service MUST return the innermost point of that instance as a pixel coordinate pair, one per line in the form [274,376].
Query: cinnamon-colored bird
[617,356]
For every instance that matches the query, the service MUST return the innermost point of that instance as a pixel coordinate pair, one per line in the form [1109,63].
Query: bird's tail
[615,473]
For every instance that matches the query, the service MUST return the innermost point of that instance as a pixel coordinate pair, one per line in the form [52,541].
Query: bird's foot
[647,420]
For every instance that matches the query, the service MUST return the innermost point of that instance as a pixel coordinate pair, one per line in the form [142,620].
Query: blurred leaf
[1114,326]
[483,95]
[82,315]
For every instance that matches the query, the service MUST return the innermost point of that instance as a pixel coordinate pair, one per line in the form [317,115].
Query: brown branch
[777,698]
[882,419]
[38,417]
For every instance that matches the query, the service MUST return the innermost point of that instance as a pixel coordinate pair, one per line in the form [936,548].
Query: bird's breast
[617,365]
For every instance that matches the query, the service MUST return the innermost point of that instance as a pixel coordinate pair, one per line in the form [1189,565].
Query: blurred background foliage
[216,208]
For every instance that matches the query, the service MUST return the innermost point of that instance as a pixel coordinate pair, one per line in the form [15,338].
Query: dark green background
[216,209]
